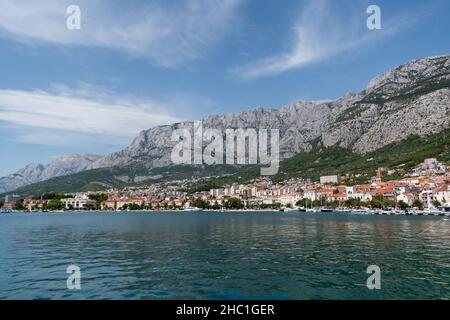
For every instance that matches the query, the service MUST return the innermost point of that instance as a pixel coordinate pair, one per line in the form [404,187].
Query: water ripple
[223,256]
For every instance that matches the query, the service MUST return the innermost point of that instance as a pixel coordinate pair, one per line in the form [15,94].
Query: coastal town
[426,190]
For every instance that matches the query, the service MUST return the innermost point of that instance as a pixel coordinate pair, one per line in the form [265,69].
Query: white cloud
[166,33]
[320,33]
[88,114]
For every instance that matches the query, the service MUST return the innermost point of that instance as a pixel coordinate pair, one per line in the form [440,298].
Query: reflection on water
[223,256]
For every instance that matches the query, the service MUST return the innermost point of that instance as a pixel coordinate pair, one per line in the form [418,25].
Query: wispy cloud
[320,33]
[165,33]
[88,114]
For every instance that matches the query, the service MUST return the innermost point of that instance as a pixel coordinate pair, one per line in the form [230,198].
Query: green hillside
[120,177]
[399,156]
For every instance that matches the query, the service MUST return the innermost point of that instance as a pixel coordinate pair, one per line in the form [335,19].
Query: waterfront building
[352,193]
[268,201]
[288,199]
[407,197]
[442,194]
[9,205]
[109,205]
[367,196]
[31,204]
[78,203]
[178,202]
[216,201]
[426,195]
[310,195]
[340,197]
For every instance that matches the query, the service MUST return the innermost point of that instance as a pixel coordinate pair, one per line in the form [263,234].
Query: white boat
[308,210]
[5,210]
[192,209]
[343,209]
[360,211]
[288,209]
[433,212]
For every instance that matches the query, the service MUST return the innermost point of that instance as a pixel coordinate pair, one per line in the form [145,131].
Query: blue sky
[137,64]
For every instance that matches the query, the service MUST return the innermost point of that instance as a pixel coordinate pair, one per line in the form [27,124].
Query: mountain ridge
[35,172]
[411,99]
[378,110]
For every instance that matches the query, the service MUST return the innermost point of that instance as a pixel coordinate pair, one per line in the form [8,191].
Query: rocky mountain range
[413,98]
[32,173]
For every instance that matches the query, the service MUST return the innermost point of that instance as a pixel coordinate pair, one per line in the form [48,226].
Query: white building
[367,197]
[217,192]
[78,203]
[442,194]
[310,195]
[407,197]
[352,193]
[427,196]
[329,179]
[288,199]
[430,164]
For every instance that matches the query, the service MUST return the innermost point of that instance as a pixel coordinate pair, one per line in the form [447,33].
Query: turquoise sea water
[269,255]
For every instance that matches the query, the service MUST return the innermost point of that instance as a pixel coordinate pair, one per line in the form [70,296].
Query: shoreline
[243,211]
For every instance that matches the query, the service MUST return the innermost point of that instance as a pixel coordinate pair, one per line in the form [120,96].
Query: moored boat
[289,209]
[360,211]
[192,209]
